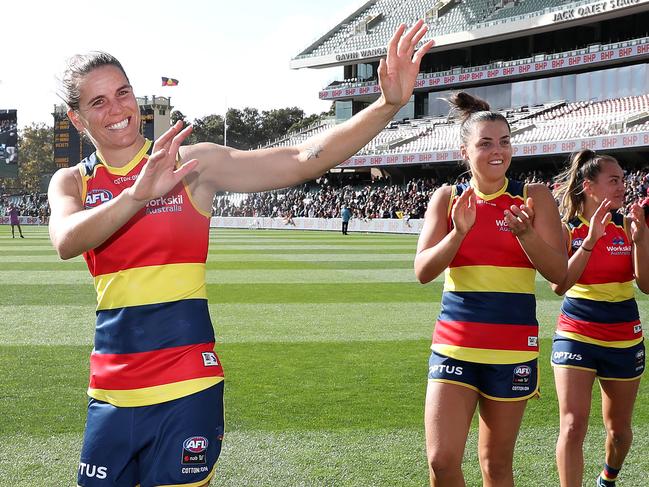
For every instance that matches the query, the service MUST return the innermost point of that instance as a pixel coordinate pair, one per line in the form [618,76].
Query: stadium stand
[566,75]
[302,135]
[575,76]
[432,72]
[544,123]
[376,20]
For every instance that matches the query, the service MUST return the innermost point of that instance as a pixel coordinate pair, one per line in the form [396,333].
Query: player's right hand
[159,175]
[598,222]
[464,211]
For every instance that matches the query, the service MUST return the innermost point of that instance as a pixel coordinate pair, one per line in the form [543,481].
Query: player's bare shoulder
[440,199]
[66,181]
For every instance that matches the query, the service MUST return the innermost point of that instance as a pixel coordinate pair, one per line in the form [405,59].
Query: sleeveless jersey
[488,312]
[154,340]
[600,308]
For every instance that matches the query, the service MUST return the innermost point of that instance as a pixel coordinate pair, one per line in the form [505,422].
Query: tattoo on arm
[313,152]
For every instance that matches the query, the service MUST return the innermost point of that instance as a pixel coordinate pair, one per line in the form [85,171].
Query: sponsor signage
[378,225]
[541,67]
[595,8]
[602,142]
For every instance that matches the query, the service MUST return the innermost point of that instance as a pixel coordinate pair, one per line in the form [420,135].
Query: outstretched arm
[222,168]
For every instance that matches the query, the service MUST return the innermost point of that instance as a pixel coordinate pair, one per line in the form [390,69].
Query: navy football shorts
[173,443]
[501,382]
[607,362]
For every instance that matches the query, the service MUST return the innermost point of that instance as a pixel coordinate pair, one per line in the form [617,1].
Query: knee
[620,435]
[495,467]
[574,428]
[442,463]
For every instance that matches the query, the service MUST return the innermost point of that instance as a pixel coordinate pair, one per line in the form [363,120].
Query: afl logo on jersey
[576,243]
[98,196]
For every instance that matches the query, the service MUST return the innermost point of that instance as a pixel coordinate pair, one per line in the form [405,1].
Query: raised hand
[598,222]
[520,219]
[398,71]
[159,175]
[638,223]
[464,211]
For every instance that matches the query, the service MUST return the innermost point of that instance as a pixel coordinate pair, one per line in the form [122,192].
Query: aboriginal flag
[169,81]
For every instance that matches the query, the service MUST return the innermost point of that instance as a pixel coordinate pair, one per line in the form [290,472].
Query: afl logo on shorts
[194,450]
[522,374]
[98,196]
[639,359]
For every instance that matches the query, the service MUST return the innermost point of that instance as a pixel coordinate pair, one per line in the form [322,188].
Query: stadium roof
[362,36]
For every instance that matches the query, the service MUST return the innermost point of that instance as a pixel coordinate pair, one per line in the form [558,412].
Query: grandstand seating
[582,119]
[551,122]
[355,82]
[302,135]
[463,15]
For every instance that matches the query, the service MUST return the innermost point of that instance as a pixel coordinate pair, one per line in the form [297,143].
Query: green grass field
[325,343]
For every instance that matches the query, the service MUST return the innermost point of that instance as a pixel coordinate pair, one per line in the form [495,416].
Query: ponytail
[569,190]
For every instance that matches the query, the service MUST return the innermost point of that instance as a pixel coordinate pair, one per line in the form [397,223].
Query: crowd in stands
[28,204]
[324,197]
[637,186]
[379,198]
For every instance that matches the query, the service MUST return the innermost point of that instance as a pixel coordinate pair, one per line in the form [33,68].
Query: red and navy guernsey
[600,308]
[154,339]
[488,312]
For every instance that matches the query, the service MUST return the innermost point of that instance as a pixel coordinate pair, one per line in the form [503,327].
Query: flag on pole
[169,81]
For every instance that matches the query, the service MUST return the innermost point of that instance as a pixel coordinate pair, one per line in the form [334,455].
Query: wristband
[585,249]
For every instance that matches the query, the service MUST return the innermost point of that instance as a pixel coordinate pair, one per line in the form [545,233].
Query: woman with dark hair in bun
[598,331]
[490,236]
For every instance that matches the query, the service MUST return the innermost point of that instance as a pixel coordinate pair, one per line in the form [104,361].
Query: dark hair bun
[466,104]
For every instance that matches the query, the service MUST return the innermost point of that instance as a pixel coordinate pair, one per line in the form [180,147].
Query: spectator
[14,215]
[346,215]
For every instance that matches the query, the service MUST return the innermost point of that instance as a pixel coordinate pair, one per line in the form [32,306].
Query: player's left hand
[638,223]
[520,219]
[399,69]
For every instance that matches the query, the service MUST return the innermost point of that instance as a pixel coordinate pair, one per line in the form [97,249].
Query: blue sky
[208,45]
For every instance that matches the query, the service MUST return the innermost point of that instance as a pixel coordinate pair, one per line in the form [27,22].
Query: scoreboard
[8,143]
[69,146]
